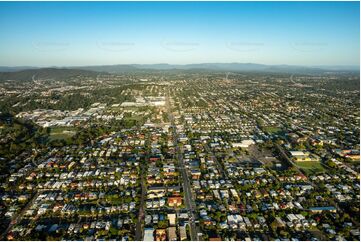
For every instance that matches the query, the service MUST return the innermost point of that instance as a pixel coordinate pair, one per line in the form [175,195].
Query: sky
[102,33]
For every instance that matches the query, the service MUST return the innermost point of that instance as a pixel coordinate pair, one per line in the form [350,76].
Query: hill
[45,73]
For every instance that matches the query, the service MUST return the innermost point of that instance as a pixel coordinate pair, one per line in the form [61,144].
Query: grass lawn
[271,129]
[135,118]
[62,133]
[310,167]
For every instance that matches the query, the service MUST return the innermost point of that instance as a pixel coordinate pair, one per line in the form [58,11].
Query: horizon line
[198,63]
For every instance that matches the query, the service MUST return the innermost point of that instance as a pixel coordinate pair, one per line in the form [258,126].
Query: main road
[188,198]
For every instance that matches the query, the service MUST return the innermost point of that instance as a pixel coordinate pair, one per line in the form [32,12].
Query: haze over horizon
[110,33]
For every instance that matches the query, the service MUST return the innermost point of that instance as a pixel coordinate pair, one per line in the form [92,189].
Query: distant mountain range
[44,73]
[27,72]
[236,67]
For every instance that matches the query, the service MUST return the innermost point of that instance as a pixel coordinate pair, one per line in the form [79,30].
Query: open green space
[135,118]
[58,133]
[271,129]
[310,167]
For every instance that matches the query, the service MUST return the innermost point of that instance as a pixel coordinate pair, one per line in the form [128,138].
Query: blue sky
[96,33]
